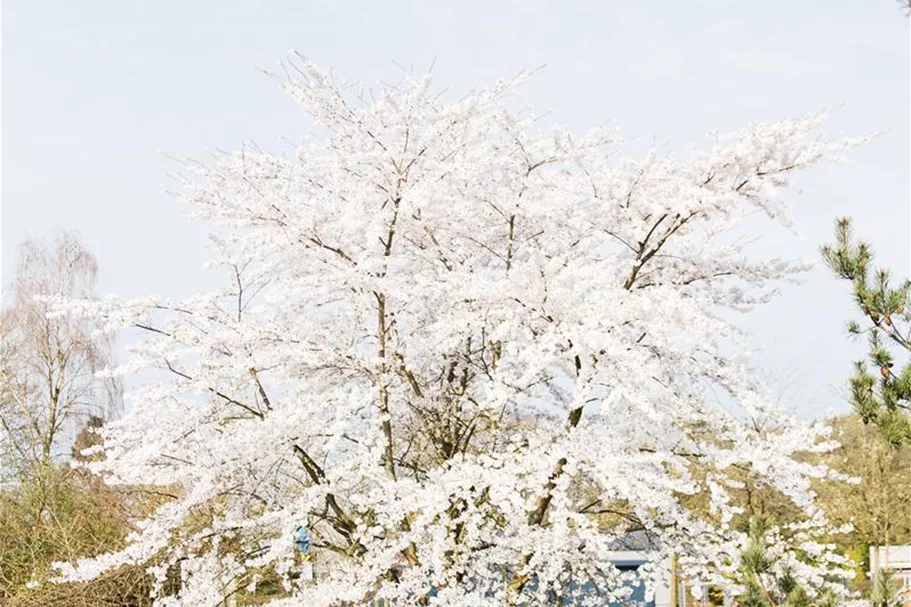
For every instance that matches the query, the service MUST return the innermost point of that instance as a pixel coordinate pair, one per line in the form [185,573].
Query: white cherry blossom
[468,353]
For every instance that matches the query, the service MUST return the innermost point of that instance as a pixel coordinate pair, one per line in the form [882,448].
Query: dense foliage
[469,356]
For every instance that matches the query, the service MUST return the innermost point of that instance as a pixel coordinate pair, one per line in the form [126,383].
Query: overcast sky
[93,94]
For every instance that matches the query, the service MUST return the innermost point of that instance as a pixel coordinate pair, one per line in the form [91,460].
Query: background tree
[48,365]
[51,404]
[881,396]
[467,355]
[876,505]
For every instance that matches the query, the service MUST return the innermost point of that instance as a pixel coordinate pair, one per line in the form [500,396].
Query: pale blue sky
[94,91]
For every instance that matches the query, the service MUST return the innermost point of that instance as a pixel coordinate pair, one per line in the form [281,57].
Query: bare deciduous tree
[48,365]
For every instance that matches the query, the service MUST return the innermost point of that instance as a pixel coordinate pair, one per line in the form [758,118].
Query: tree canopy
[469,354]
